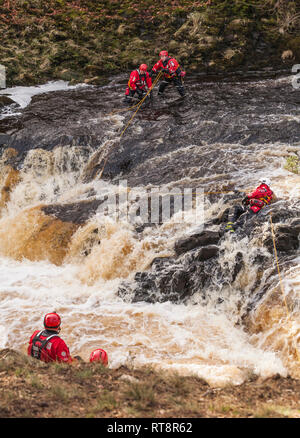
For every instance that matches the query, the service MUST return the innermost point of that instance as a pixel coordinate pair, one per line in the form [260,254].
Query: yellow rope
[280,280]
[137,104]
[140,103]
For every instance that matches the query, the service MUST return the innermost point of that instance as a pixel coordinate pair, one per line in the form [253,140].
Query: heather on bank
[87,41]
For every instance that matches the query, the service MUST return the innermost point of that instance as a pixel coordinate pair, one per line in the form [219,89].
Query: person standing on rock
[172,73]
[251,205]
[46,345]
[137,83]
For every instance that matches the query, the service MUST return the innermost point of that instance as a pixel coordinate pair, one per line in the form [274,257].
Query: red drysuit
[47,346]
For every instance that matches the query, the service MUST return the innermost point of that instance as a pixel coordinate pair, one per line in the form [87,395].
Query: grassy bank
[83,40]
[30,388]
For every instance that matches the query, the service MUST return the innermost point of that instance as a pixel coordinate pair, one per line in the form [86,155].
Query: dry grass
[29,388]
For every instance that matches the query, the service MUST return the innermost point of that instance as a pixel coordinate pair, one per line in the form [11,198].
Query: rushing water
[228,134]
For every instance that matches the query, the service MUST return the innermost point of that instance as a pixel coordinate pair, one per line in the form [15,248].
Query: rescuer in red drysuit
[252,204]
[172,73]
[46,345]
[137,83]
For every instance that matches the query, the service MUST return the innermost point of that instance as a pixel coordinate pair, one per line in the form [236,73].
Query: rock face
[203,238]
[5,100]
[286,237]
[77,213]
[198,262]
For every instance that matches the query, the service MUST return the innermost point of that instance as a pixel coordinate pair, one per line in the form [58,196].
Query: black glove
[78,358]
[151,73]
[245,201]
[165,70]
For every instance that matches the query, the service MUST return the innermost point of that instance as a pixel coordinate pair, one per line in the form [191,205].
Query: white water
[22,95]
[191,339]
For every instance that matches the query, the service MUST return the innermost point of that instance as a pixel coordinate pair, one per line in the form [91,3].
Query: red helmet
[99,355]
[52,321]
[163,53]
[143,67]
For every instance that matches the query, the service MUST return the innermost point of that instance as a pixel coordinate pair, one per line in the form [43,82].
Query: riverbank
[84,41]
[30,388]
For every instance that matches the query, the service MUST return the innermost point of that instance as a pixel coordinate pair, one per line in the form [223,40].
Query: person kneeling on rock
[47,346]
[172,73]
[137,83]
[251,205]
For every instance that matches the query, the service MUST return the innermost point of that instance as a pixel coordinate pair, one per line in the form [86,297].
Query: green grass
[292,164]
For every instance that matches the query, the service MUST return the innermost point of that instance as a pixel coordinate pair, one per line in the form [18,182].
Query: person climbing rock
[137,83]
[46,345]
[251,206]
[172,73]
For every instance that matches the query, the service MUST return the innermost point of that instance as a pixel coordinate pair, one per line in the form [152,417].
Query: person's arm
[155,68]
[148,80]
[132,80]
[255,194]
[62,352]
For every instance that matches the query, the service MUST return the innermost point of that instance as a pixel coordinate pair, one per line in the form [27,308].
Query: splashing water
[81,283]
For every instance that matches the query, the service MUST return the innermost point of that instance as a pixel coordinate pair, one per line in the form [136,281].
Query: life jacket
[171,64]
[139,80]
[261,197]
[39,343]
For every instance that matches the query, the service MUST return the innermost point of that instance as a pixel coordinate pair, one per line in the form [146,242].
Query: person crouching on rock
[46,345]
[172,73]
[251,206]
[137,83]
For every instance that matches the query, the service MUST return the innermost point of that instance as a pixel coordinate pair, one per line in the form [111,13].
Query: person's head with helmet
[163,55]
[52,322]
[143,68]
[99,355]
[265,181]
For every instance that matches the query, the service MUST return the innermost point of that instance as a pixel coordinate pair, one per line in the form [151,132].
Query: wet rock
[206,253]
[5,100]
[286,239]
[203,238]
[200,262]
[4,139]
[76,213]
[239,264]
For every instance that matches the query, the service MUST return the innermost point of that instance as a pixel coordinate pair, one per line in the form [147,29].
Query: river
[227,134]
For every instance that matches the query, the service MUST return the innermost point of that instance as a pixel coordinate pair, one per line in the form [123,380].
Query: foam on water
[23,95]
[191,338]
[188,338]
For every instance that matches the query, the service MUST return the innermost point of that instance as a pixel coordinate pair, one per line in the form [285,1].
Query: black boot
[181,91]
[162,87]
[127,100]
